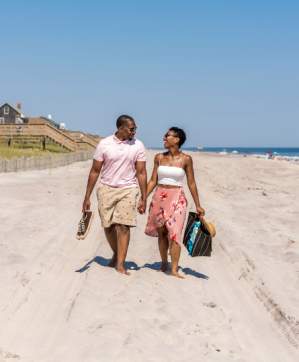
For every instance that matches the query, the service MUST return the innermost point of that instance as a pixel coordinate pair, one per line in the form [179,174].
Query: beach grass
[28,150]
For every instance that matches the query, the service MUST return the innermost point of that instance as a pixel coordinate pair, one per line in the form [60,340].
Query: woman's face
[170,139]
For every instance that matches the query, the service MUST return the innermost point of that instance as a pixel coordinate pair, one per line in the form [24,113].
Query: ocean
[275,151]
[291,153]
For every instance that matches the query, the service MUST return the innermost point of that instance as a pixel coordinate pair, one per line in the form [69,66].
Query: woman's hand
[200,212]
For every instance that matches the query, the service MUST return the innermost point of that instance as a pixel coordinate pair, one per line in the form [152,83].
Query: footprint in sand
[8,355]
[210,305]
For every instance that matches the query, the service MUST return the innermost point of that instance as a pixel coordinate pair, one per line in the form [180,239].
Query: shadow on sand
[194,273]
[104,262]
[130,265]
[188,271]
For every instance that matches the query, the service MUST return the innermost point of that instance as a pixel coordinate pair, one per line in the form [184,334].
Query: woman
[167,211]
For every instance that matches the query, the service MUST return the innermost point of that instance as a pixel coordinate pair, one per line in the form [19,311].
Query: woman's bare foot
[164,266]
[177,275]
[112,262]
[122,270]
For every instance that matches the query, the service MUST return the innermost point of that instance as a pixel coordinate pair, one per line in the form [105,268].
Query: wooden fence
[43,162]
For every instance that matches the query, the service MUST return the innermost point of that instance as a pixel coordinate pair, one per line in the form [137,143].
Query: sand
[60,301]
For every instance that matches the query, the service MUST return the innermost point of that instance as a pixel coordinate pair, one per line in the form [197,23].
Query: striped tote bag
[197,238]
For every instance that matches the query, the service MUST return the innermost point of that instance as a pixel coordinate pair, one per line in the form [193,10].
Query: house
[10,115]
[14,126]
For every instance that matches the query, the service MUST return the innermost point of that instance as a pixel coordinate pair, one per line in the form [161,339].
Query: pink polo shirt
[119,158]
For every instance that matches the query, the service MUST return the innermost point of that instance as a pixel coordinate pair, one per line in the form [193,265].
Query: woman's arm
[192,185]
[154,178]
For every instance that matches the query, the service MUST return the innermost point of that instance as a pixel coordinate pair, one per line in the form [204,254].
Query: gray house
[10,115]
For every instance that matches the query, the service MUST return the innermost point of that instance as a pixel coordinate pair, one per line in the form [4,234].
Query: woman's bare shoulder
[187,158]
[158,156]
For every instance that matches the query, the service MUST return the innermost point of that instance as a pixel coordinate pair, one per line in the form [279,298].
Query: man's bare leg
[163,247]
[111,237]
[175,252]
[123,238]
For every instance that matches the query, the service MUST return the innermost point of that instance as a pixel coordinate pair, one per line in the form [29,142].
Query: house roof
[15,109]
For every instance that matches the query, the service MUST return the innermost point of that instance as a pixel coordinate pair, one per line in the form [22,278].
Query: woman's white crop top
[170,175]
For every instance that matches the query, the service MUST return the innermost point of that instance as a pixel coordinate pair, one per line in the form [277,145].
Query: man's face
[129,130]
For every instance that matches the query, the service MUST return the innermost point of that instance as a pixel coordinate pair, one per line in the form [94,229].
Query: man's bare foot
[164,266]
[112,262]
[122,270]
[177,275]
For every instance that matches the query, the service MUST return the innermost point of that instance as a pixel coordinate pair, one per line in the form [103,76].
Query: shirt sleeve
[141,153]
[99,152]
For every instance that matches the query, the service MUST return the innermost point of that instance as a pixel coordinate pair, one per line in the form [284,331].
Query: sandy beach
[60,302]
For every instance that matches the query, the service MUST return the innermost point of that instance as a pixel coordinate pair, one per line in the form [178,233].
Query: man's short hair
[123,119]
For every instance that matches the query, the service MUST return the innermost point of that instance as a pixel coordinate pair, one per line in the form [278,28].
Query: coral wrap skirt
[168,207]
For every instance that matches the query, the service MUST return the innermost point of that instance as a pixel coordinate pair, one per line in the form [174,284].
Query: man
[120,161]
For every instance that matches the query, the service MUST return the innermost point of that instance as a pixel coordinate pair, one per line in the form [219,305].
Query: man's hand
[86,205]
[141,206]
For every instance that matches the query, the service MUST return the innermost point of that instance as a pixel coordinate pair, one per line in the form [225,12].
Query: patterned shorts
[117,205]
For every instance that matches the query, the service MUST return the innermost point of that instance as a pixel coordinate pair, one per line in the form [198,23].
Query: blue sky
[225,71]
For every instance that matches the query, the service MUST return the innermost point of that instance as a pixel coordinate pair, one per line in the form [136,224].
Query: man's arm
[142,180]
[92,179]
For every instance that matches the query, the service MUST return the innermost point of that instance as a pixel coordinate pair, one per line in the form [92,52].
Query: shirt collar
[117,140]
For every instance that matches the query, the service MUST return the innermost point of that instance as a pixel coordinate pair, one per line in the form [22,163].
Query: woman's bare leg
[175,252]
[163,247]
